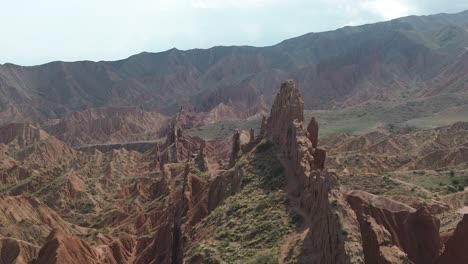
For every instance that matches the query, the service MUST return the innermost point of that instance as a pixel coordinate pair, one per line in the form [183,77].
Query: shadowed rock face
[313,129]
[455,251]
[415,232]
[64,248]
[14,251]
[236,147]
[287,109]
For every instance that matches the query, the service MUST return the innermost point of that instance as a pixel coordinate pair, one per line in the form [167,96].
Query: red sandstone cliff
[333,236]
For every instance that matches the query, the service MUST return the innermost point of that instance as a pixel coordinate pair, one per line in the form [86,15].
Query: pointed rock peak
[236,146]
[174,132]
[200,160]
[251,135]
[288,108]
[179,132]
[313,129]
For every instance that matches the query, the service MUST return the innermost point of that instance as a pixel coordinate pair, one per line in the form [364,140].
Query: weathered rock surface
[107,125]
[25,218]
[334,235]
[416,232]
[455,251]
[13,251]
[313,129]
[236,147]
[64,248]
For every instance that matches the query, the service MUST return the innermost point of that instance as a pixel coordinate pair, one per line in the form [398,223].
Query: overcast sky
[34,32]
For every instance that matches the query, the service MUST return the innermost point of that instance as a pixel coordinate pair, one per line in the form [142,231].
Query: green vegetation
[251,224]
[223,129]
[429,112]
[443,182]
[88,208]
[196,171]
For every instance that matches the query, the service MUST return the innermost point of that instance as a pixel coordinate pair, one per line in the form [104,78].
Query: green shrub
[295,220]
[195,171]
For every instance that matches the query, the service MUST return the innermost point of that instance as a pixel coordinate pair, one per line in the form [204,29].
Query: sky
[35,32]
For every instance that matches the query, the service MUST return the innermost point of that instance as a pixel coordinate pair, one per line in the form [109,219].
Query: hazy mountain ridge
[407,57]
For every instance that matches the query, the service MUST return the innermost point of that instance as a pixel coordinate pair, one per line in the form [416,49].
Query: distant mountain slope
[410,57]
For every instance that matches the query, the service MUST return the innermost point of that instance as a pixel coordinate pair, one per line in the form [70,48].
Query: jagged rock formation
[171,136]
[64,248]
[36,219]
[21,134]
[313,129]
[13,251]
[251,135]
[334,235]
[154,202]
[443,148]
[108,124]
[200,160]
[236,147]
[394,226]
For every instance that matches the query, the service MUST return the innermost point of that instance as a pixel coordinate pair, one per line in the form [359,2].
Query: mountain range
[196,156]
[396,61]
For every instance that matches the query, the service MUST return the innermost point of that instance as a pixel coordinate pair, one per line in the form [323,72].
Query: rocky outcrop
[334,235]
[416,232]
[455,251]
[21,134]
[178,147]
[251,135]
[236,147]
[14,251]
[200,160]
[37,219]
[313,129]
[107,124]
[378,245]
[64,248]
[171,136]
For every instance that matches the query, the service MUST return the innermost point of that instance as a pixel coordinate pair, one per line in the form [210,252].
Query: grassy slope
[250,226]
[418,114]
[428,113]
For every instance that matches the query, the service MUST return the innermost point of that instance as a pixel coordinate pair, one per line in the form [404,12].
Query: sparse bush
[295,220]
[195,171]
[87,208]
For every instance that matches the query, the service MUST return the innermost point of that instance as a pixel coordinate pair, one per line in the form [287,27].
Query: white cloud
[389,9]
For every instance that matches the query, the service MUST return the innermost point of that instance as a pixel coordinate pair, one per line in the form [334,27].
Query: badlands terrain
[215,156]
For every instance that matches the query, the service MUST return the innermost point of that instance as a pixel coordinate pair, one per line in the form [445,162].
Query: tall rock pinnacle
[334,235]
[287,108]
[236,147]
[313,129]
